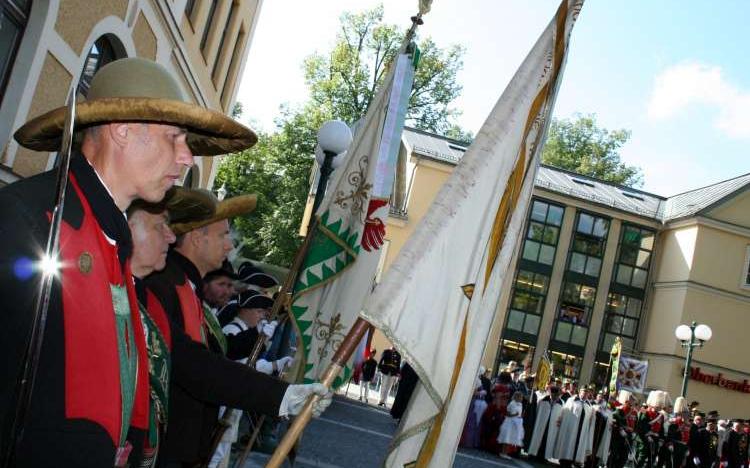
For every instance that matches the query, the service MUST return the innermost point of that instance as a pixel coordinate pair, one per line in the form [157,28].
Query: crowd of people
[579,426]
[143,330]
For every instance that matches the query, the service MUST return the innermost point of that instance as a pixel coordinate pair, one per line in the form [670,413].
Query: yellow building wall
[50,93]
[735,211]
[676,254]
[76,18]
[719,259]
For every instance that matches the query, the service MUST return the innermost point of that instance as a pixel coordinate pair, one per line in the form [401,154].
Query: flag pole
[339,360]
[358,330]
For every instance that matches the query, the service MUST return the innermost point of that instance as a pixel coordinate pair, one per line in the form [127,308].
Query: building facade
[51,46]
[598,261]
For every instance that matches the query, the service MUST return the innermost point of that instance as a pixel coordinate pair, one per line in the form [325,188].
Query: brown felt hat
[225,209]
[181,203]
[140,90]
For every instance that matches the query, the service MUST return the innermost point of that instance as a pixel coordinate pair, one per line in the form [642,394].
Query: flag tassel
[339,360]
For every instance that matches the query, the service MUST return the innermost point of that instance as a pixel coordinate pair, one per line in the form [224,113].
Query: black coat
[368,369]
[202,378]
[390,362]
[50,439]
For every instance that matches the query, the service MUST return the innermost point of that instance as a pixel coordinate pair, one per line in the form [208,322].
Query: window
[746,270]
[634,256]
[510,350]
[622,316]
[14,14]
[224,33]
[232,70]
[542,232]
[208,26]
[565,366]
[527,302]
[574,314]
[587,247]
[106,49]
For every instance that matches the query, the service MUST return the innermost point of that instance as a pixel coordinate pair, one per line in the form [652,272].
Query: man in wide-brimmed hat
[136,134]
[196,368]
[201,246]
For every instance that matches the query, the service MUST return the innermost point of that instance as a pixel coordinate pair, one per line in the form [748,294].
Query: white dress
[511,432]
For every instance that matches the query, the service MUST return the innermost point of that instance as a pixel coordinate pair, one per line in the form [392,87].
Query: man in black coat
[389,365]
[736,447]
[197,391]
[89,405]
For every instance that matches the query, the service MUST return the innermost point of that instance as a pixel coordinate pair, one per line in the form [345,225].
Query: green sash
[128,356]
[215,328]
[159,365]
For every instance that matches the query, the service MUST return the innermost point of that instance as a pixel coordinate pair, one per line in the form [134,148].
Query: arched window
[193,178]
[14,14]
[105,49]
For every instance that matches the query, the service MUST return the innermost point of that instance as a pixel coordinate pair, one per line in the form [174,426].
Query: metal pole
[688,359]
[325,172]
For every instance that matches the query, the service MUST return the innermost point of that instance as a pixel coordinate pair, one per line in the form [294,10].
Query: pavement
[352,434]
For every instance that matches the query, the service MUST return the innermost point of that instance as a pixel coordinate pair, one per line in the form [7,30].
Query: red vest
[92,372]
[192,311]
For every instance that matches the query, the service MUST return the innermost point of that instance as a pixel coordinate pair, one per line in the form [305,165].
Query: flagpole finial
[417,19]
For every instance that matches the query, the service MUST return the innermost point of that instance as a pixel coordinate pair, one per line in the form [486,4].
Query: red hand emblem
[374,233]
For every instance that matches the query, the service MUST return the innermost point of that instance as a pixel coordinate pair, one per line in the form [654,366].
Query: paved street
[351,434]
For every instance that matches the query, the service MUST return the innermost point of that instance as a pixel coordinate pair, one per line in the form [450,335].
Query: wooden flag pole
[339,360]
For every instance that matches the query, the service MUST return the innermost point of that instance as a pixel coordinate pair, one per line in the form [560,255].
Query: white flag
[631,374]
[437,301]
[339,270]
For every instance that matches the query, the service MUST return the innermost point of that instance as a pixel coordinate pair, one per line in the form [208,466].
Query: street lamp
[690,337]
[334,137]
[222,192]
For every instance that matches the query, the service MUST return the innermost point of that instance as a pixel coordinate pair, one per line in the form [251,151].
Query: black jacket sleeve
[241,345]
[214,379]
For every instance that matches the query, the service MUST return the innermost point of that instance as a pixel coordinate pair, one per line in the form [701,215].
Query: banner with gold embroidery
[467,237]
[339,270]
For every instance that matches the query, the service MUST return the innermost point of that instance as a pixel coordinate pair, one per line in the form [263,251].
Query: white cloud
[683,85]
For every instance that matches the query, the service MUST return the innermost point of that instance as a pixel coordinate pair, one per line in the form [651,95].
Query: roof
[694,201]
[627,199]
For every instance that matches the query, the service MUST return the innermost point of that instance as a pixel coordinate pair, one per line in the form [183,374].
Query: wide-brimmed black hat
[253,300]
[225,270]
[254,276]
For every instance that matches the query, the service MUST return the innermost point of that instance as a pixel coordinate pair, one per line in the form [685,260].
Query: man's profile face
[216,244]
[151,238]
[218,290]
[156,155]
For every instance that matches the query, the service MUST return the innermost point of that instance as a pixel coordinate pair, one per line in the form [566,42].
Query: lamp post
[222,192]
[692,336]
[334,137]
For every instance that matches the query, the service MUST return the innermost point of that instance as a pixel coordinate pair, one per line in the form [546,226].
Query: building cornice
[712,223]
[695,286]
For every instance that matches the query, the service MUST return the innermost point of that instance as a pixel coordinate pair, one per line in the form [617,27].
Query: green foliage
[277,169]
[581,146]
[347,79]
[342,84]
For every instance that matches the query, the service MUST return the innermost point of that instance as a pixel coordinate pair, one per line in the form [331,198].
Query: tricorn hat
[225,209]
[254,276]
[140,90]
[253,300]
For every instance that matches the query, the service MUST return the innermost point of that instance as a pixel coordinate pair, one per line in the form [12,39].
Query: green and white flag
[339,270]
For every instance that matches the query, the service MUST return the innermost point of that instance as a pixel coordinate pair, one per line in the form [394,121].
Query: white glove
[284,363]
[296,396]
[267,328]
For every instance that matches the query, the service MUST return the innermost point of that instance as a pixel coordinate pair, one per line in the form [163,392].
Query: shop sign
[719,380]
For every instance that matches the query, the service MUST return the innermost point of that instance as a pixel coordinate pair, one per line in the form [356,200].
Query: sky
[674,72]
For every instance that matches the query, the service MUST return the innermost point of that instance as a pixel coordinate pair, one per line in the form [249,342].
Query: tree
[342,85]
[580,145]
[346,80]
